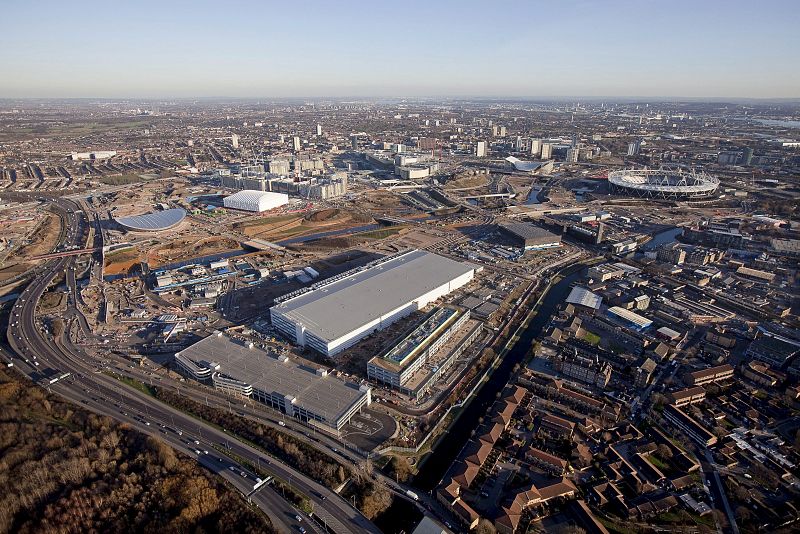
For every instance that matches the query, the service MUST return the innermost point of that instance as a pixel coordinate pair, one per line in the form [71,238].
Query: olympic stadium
[666,183]
[153,222]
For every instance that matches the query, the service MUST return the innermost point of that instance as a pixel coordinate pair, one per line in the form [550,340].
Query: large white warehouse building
[335,314]
[251,200]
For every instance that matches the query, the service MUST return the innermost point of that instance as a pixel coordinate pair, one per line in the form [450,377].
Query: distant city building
[572,155]
[100,154]
[536,147]
[279,166]
[480,150]
[634,147]
[235,141]
[296,144]
[747,156]
[547,151]
[319,129]
[728,158]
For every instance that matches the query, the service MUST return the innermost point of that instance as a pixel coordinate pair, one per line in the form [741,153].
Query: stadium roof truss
[667,183]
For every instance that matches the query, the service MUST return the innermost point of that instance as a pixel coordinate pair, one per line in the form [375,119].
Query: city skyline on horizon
[712,50]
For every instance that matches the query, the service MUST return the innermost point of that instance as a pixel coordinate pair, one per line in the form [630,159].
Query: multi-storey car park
[667,183]
[333,315]
[244,370]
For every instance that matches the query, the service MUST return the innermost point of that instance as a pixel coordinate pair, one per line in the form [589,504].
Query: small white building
[251,200]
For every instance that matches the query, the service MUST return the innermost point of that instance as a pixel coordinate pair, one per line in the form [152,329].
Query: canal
[448,447]
[662,238]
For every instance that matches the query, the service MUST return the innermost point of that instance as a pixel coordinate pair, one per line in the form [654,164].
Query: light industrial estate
[335,314]
[243,369]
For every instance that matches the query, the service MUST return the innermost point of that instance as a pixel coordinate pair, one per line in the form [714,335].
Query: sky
[378,48]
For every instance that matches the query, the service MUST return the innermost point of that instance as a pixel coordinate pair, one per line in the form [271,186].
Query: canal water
[331,233]
[448,447]
[662,238]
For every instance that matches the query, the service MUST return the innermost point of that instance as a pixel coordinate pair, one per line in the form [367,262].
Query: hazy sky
[166,48]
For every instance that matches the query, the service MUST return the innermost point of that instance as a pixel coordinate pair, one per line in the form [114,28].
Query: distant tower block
[296,143]
[547,150]
[235,141]
[536,147]
[480,150]
[319,129]
[600,229]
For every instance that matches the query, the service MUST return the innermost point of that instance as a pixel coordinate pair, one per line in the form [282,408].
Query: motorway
[41,357]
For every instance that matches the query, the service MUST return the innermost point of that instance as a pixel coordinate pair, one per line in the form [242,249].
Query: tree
[659,400]
[719,431]
[400,468]
[664,452]
[485,527]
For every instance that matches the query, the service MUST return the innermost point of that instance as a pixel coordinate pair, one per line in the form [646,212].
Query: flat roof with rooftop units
[628,318]
[244,369]
[426,353]
[335,314]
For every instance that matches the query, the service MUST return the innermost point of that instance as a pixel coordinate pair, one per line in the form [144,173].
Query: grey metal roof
[584,297]
[157,220]
[334,310]
[327,396]
[528,231]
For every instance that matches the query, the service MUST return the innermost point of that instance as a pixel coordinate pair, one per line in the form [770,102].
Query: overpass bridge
[66,253]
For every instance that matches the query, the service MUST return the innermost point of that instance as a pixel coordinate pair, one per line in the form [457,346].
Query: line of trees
[300,455]
[371,496]
[64,469]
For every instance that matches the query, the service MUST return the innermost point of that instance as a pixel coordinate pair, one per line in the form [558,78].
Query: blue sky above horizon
[646,48]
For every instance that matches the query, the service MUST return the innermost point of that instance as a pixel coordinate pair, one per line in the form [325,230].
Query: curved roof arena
[153,222]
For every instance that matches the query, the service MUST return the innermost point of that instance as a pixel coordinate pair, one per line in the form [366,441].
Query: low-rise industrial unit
[530,237]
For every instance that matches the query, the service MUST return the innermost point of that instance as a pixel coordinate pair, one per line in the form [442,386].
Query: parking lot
[368,429]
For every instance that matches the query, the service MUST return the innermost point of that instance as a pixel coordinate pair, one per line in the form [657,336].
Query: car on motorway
[298,517]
